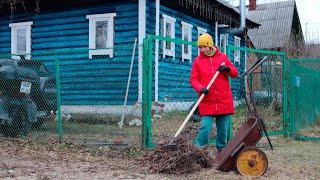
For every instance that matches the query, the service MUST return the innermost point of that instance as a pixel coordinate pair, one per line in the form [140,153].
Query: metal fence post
[230,129]
[59,120]
[147,93]
[285,89]
[291,100]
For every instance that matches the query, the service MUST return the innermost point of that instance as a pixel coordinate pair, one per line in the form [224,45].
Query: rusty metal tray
[248,134]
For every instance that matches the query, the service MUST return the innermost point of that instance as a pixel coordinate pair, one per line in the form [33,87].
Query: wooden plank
[68,88]
[96,86]
[4,44]
[61,44]
[52,57]
[96,102]
[109,75]
[69,26]
[97,79]
[5,50]
[62,21]
[5,33]
[97,68]
[60,39]
[39,53]
[60,33]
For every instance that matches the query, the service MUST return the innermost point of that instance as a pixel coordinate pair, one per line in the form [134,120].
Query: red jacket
[219,100]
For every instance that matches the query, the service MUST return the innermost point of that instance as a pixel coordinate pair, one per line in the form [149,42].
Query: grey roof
[226,3]
[236,9]
[276,24]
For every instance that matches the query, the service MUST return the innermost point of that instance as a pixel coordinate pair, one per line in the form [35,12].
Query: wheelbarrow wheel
[251,161]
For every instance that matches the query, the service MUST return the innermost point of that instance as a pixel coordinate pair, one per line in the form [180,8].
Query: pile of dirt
[183,159]
[190,132]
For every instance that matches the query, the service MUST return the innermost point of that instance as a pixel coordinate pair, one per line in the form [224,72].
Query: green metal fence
[29,96]
[304,98]
[267,86]
[168,96]
[95,100]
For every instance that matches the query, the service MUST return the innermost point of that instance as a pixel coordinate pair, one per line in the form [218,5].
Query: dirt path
[26,168]
[56,160]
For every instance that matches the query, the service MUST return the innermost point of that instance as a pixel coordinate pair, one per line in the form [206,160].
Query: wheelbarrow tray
[248,134]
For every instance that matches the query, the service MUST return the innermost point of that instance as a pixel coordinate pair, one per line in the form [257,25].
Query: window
[186,36]
[168,31]
[101,34]
[223,42]
[21,39]
[237,52]
[200,32]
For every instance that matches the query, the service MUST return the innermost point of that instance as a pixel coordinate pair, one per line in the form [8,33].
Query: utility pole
[306,44]
[306,32]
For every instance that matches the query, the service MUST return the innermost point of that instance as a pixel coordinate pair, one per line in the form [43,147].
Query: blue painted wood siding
[5,36]
[237,84]
[64,35]
[174,73]
[103,80]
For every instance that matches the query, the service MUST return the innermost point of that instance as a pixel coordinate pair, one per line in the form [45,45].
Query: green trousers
[203,137]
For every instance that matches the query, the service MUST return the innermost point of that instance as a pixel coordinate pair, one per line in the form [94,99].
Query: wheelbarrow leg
[265,131]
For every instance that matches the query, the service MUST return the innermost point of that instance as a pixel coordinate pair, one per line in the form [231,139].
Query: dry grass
[23,159]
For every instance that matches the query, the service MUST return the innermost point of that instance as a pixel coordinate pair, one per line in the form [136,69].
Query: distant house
[96,39]
[280,30]
[280,26]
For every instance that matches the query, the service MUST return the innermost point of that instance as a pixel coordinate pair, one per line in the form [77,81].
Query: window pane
[101,34]
[223,43]
[186,35]
[168,28]
[186,38]
[186,49]
[168,34]
[21,41]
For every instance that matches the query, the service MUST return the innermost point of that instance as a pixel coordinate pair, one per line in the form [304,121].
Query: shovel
[171,144]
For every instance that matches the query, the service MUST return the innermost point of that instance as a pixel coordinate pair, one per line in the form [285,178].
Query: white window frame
[236,53]
[223,42]
[14,38]
[186,28]
[200,31]
[168,19]
[93,18]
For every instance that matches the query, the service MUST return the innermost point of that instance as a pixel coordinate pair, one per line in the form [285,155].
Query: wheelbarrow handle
[195,106]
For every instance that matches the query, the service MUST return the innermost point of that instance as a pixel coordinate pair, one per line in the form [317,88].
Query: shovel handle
[195,106]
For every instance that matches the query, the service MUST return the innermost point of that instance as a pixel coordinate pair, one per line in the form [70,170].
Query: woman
[218,101]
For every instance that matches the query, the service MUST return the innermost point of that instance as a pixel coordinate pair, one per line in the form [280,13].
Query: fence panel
[168,94]
[94,97]
[28,96]
[94,93]
[170,97]
[266,84]
[304,98]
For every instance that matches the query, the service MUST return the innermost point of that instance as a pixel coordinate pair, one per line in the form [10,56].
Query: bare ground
[23,159]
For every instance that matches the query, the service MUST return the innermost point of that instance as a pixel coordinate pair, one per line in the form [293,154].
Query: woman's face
[205,50]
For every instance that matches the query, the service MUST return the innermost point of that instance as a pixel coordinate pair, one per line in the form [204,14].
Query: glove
[204,91]
[223,68]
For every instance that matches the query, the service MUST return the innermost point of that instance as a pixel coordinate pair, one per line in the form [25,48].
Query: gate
[168,96]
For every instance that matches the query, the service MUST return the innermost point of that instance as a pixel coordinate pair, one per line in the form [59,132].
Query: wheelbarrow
[241,152]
